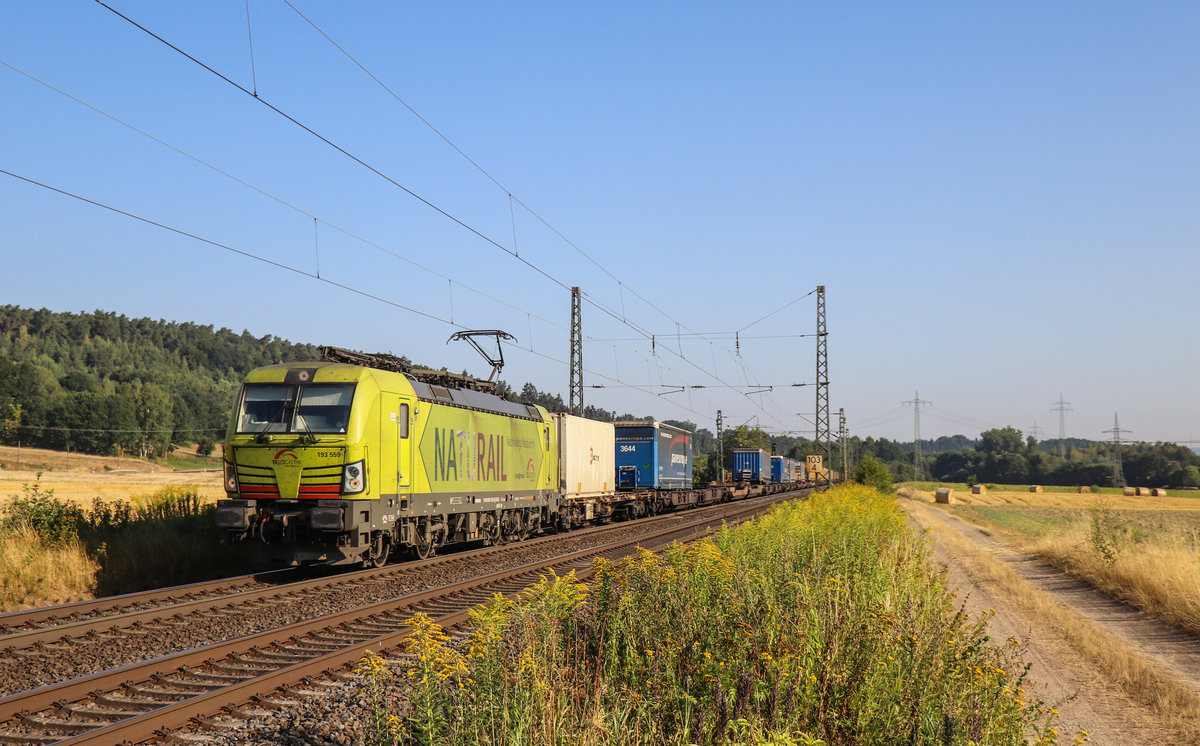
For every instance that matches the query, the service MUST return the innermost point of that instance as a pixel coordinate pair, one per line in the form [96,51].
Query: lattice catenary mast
[575,397]
[823,435]
[720,448]
[845,443]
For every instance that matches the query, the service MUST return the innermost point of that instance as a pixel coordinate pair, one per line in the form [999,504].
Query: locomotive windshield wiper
[308,436]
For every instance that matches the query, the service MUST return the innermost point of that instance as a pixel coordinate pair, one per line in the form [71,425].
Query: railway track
[132,702]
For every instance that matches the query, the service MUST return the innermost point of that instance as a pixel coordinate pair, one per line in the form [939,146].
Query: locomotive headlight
[231,480]
[354,478]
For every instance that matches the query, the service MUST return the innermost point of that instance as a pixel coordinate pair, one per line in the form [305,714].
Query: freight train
[358,457]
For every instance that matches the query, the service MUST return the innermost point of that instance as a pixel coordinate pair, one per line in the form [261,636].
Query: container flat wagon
[653,455]
[751,465]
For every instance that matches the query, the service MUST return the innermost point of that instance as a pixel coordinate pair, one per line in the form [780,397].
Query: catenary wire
[508,193]
[295,270]
[382,175]
[379,173]
[277,199]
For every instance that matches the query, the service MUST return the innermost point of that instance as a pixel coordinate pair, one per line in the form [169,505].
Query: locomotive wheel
[377,555]
[423,544]
[494,533]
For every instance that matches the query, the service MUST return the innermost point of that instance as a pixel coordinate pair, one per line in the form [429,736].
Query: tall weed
[822,622]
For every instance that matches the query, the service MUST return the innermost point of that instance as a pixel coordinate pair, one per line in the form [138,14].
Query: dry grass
[1141,551]
[1173,705]
[1158,574]
[33,575]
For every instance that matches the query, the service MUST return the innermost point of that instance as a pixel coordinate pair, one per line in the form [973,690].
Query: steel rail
[40,635]
[107,603]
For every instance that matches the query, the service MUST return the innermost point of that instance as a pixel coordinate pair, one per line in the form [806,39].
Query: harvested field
[82,478]
[1077,501]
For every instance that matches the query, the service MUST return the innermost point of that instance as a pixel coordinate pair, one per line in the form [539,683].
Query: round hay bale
[944,495]
[978,489]
[1158,492]
[1143,492]
[1130,491]
[1035,488]
[1084,489]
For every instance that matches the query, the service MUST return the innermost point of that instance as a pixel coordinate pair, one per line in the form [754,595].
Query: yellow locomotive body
[340,463]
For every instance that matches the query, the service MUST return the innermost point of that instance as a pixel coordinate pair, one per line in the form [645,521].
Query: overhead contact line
[623,318]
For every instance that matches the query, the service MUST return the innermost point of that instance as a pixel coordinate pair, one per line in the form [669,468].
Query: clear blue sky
[1002,199]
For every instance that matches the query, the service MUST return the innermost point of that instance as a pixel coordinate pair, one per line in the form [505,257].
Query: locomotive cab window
[291,408]
[403,420]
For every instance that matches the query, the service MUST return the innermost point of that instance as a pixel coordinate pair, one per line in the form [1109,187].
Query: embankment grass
[52,551]
[820,623]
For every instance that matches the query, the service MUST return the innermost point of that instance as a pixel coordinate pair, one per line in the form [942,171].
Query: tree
[1001,440]
[872,473]
[10,422]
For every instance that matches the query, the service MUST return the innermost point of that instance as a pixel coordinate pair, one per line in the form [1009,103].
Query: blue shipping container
[778,465]
[751,465]
[653,455]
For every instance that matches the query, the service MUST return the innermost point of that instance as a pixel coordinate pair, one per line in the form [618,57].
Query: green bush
[55,521]
[871,472]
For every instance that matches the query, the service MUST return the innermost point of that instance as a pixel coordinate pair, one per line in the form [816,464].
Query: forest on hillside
[106,384]
[103,383]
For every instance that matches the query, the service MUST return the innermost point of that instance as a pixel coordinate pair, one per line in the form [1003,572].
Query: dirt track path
[1085,697]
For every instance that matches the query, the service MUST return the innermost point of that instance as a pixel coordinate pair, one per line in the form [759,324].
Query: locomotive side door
[396,444]
[406,415]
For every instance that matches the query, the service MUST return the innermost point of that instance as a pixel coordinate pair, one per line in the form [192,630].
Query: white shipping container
[588,456]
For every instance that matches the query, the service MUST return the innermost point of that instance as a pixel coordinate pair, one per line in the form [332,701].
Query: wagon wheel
[526,525]
[377,554]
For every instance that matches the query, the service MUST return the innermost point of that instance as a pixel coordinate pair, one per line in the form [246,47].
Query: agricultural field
[75,526]
[81,478]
